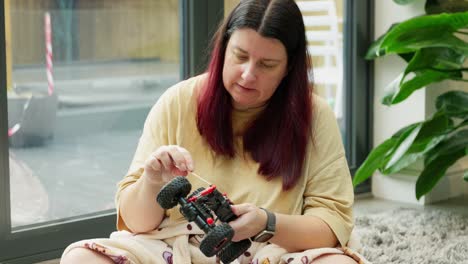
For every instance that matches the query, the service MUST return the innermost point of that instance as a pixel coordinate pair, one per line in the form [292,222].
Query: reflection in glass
[109,62]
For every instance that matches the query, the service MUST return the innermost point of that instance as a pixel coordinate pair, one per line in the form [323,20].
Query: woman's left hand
[251,221]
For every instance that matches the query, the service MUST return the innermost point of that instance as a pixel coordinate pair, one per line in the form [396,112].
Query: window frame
[200,19]
[29,245]
[358,73]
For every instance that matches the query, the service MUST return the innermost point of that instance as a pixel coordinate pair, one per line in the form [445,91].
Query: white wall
[388,120]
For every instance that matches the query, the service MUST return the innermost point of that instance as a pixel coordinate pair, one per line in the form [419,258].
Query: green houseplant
[435,49]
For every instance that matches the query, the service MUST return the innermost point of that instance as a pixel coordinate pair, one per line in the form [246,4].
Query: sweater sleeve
[156,132]
[329,193]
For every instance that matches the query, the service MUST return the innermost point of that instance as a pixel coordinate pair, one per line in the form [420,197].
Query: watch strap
[271,220]
[269,230]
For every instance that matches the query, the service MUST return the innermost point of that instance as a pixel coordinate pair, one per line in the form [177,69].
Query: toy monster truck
[199,207]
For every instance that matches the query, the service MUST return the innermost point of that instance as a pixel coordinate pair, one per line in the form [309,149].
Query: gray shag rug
[412,235]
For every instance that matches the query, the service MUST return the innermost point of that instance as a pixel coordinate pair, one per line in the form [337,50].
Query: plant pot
[35,114]
[402,187]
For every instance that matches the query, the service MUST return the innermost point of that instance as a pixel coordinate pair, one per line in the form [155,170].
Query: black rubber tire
[215,240]
[172,191]
[233,251]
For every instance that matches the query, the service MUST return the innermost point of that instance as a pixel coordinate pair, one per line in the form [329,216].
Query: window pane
[78,98]
[323,20]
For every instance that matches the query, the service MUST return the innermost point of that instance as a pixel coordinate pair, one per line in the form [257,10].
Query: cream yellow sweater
[324,190]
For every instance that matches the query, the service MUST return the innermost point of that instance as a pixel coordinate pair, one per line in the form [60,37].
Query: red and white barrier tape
[49,65]
[48,44]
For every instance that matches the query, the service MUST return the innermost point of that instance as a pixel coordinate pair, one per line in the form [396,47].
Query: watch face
[264,236]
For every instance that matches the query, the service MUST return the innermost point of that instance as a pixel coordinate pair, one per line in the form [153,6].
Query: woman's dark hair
[277,139]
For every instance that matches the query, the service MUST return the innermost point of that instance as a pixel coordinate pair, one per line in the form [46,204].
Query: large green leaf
[429,65]
[438,58]
[422,32]
[405,130]
[375,49]
[403,2]
[453,103]
[439,160]
[456,142]
[434,171]
[440,123]
[462,124]
[392,89]
[403,144]
[375,160]
[396,92]
[432,132]
[465,175]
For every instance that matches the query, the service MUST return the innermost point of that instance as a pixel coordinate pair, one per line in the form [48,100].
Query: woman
[251,126]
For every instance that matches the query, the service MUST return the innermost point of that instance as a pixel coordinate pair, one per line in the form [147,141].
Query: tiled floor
[365,204]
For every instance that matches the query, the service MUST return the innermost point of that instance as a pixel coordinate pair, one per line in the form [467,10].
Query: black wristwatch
[269,231]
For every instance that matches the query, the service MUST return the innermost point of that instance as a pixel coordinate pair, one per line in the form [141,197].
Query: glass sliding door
[78,79]
[84,75]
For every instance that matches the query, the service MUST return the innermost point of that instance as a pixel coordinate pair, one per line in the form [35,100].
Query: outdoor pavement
[100,115]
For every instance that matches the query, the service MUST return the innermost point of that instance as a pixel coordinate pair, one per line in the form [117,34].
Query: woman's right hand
[138,208]
[166,163]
